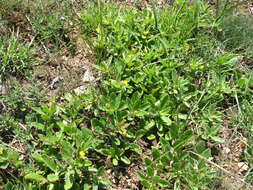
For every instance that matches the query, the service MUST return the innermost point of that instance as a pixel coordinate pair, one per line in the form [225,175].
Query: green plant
[16,56]
[161,98]
[237,33]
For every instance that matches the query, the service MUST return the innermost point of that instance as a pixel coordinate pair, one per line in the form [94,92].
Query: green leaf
[166,120]
[164,102]
[115,162]
[86,187]
[184,138]
[92,169]
[148,161]
[68,179]
[35,177]
[39,110]
[151,137]
[38,157]
[233,60]
[4,165]
[141,176]
[125,160]
[155,153]
[165,160]
[155,179]
[149,125]
[207,153]
[49,162]
[200,146]
[217,139]
[174,130]
[136,148]
[150,171]
[145,183]
[94,187]
[87,163]
[39,126]
[182,116]
[97,125]
[67,150]
[52,177]
[159,181]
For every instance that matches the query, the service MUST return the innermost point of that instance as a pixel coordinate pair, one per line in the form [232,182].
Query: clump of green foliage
[16,56]
[165,80]
[237,33]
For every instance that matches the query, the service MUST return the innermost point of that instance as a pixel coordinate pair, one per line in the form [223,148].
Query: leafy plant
[16,56]
[164,86]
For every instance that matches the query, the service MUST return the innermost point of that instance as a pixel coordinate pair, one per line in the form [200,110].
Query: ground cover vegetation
[170,105]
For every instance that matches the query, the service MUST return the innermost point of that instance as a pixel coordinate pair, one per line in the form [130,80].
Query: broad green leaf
[234,60]
[207,153]
[49,162]
[150,171]
[46,160]
[97,125]
[166,120]
[67,150]
[183,139]
[68,179]
[136,148]
[165,160]
[182,116]
[155,153]
[141,176]
[125,160]
[39,110]
[38,157]
[200,146]
[4,165]
[87,163]
[217,139]
[94,187]
[52,177]
[35,177]
[164,102]
[115,161]
[147,161]
[174,130]
[149,125]
[86,187]
[92,169]
[151,137]
[145,183]
[39,126]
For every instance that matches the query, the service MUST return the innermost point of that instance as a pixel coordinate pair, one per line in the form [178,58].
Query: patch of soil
[229,157]
[65,72]
[125,178]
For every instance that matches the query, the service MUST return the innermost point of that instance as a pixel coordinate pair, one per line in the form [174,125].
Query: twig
[17,150]
[4,106]
[22,126]
[238,105]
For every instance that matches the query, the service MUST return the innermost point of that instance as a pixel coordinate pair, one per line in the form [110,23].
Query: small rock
[54,81]
[242,166]
[3,88]
[80,89]
[88,76]
[226,150]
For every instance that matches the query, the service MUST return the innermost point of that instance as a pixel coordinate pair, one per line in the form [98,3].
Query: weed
[16,56]
[166,81]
